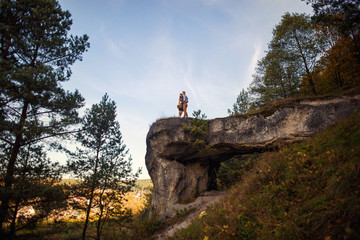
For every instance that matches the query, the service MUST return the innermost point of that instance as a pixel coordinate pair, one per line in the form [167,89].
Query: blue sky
[143,53]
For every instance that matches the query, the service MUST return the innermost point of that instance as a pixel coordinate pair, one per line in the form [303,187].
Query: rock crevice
[180,170]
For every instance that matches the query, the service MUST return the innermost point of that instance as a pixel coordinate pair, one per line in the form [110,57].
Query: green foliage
[101,164]
[307,190]
[293,52]
[242,104]
[198,128]
[36,55]
[339,67]
[142,226]
[277,77]
[232,170]
[344,15]
[127,226]
[36,193]
[310,56]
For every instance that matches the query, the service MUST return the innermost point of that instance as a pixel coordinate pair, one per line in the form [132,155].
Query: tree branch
[7,141]
[54,135]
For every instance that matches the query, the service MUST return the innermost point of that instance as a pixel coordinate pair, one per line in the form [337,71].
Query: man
[185,100]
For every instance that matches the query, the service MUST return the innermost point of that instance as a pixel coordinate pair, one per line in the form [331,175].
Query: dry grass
[308,190]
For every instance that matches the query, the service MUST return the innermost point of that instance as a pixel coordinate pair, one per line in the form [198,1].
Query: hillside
[308,190]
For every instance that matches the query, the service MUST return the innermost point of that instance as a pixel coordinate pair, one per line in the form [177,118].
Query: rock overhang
[181,169]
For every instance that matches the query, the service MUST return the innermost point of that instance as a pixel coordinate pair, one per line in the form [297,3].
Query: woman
[180,104]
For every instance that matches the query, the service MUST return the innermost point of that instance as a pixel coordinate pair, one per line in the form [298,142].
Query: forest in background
[308,56]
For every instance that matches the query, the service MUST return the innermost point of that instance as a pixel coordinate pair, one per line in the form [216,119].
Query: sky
[143,53]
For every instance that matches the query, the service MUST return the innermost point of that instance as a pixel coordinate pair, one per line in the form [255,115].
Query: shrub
[232,170]
[198,128]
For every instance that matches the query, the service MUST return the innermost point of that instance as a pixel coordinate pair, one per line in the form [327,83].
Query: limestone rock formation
[181,170]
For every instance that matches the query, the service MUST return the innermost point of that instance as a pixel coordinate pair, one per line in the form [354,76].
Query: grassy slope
[304,191]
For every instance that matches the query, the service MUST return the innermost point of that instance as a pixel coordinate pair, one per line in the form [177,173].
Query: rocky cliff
[182,170]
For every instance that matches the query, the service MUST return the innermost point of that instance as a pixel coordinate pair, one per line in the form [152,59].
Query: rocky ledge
[182,170]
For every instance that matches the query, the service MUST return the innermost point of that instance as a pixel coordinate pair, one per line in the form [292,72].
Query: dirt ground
[199,205]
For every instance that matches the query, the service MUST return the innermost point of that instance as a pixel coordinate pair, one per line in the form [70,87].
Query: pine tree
[35,57]
[242,104]
[36,192]
[101,165]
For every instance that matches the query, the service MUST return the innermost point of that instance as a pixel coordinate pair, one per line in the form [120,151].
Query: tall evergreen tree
[35,57]
[242,104]
[36,192]
[101,163]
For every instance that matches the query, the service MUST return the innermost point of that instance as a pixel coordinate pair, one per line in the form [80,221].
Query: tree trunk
[98,226]
[283,88]
[13,222]
[308,73]
[88,212]
[9,177]
[356,39]
[5,52]
[100,221]
[91,194]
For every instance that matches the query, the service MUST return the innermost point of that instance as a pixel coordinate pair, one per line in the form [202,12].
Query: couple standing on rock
[182,105]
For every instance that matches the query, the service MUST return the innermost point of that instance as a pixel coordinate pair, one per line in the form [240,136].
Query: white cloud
[114,47]
[211,57]
[254,59]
